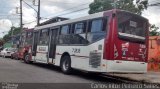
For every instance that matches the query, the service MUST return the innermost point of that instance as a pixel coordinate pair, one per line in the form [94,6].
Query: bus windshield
[28,40]
[131,27]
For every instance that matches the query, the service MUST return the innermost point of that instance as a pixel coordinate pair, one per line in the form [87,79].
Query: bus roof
[132,13]
[91,16]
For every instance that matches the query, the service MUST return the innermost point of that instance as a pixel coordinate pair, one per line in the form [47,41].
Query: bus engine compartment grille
[95,59]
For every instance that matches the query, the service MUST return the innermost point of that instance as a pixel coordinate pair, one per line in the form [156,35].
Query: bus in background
[110,41]
[25,42]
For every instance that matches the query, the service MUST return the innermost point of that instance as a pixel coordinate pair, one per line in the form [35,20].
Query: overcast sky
[51,8]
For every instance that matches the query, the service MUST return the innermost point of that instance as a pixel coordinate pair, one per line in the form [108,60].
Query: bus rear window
[130,24]
[29,36]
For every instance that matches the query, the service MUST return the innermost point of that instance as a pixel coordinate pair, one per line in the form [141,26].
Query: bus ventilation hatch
[95,59]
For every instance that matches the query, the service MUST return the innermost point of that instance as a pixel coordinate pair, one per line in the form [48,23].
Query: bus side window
[79,33]
[64,35]
[96,31]
[105,24]
[64,29]
[44,34]
[96,25]
[80,27]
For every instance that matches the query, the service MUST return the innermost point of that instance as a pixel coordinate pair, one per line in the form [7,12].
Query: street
[18,72]
[19,75]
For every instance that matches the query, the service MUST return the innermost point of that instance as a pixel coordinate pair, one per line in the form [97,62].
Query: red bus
[25,43]
[109,41]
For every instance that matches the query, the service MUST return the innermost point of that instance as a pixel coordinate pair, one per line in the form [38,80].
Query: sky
[52,8]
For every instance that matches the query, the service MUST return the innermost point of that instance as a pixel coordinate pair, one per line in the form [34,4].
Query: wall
[154,53]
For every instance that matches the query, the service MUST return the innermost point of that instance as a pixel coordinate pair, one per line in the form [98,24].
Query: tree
[102,5]
[6,38]
[1,43]
[16,30]
[154,30]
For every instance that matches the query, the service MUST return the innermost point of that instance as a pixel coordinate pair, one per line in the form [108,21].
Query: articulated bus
[113,41]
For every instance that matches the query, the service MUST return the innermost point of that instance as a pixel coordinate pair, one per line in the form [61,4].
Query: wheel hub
[65,65]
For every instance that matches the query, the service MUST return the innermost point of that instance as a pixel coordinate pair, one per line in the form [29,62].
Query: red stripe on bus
[75,55]
[42,52]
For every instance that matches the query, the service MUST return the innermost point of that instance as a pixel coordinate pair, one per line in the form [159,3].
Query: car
[0,53]
[1,48]
[6,52]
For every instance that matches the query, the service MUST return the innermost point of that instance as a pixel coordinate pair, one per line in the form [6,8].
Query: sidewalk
[150,77]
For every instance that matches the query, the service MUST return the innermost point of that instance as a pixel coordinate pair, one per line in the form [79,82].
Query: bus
[113,41]
[25,42]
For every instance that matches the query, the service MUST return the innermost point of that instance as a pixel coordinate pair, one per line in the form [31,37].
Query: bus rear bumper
[118,66]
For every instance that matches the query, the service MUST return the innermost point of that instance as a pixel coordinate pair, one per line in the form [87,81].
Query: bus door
[42,46]
[52,44]
[35,42]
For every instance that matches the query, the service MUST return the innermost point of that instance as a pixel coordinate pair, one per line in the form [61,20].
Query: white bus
[109,41]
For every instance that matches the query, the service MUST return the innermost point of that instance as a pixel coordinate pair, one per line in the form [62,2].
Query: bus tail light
[115,52]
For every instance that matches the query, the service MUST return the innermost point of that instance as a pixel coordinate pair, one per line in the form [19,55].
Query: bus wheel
[66,65]
[26,59]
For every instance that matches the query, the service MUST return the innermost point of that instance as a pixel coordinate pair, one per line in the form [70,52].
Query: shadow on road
[76,73]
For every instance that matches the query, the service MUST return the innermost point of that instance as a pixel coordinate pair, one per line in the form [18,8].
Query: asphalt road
[17,71]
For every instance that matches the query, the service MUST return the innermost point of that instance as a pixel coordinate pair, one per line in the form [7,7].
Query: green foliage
[16,30]
[6,38]
[154,30]
[1,42]
[129,5]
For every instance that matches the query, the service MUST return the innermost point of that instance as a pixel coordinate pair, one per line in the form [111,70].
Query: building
[53,20]
[154,53]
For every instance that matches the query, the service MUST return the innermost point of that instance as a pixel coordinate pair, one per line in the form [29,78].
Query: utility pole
[21,16]
[12,29]
[21,23]
[38,14]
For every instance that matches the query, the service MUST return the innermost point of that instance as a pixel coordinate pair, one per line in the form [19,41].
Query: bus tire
[66,64]
[26,58]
